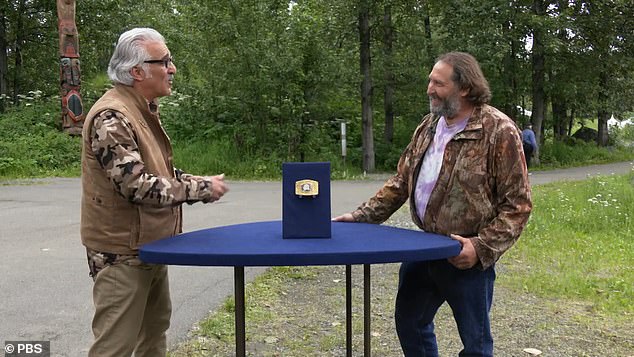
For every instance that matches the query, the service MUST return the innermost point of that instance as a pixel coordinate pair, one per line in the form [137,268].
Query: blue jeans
[423,287]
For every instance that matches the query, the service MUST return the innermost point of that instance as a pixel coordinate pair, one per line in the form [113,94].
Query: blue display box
[306,200]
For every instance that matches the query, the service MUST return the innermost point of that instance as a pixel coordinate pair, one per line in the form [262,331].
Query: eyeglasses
[166,61]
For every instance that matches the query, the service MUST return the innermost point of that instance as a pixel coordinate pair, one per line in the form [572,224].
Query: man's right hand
[346,217]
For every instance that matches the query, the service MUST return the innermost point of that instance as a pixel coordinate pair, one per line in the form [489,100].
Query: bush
[574,152]
[623,136]
[33,146]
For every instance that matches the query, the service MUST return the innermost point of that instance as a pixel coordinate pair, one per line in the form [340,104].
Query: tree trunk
[559,101]
[571,122]
[510,75]
[17,71]
[366,86]
[431,54]
[4,65]
[388,92]
[538,75]
[602,137]
[70,74]
[560,119]
[603,115]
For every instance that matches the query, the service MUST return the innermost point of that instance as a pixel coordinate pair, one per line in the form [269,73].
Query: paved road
[44,284]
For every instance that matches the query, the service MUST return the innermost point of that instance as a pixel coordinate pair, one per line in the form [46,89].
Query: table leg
[238,286]
[366,310]
[348,311]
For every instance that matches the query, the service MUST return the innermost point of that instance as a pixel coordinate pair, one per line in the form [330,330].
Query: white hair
[130,52]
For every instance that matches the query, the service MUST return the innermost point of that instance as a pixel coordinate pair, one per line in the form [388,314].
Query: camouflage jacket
[131,193]
[482,190]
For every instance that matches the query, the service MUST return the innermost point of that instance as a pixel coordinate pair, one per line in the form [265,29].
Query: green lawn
[579,244]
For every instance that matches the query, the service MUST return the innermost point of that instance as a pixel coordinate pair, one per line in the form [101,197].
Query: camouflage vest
[109,222]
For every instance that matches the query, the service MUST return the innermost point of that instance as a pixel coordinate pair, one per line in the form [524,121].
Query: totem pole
[70,75]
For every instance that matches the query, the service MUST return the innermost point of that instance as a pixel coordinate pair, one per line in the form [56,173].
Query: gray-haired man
[131,195]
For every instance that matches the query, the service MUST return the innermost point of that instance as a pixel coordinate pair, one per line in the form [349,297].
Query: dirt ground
[308,319]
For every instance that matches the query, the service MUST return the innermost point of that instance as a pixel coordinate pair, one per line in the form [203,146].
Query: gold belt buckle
[306,188]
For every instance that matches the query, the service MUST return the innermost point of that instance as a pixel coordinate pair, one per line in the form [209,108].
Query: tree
[366,86]
[274,78]
[4,65]
[388,90]
[19,42]
[27,31]
[538,59]
[607,28]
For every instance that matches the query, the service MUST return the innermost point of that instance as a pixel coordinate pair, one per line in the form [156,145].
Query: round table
[261,244]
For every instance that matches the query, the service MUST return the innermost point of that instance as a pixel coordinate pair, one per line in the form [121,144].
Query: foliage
[565,253]
[557,154]
[33,146]
[623,136]
[273,79]
[27,30]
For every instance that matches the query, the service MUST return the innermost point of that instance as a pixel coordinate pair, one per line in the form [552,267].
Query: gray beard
[448,108]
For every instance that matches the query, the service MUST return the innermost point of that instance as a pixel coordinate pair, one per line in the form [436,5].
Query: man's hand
[468,257]
[218,186]
[346,217]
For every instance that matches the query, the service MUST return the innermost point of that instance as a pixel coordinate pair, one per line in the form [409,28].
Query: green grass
[578,245]
[31,144]
[43,154]
[265,287]
[218,330]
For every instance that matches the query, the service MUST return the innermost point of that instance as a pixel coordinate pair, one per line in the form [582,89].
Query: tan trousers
[132,311]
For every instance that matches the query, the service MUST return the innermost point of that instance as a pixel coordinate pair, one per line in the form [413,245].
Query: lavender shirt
[432,162]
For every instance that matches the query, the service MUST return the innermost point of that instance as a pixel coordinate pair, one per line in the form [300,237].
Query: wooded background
[277,77]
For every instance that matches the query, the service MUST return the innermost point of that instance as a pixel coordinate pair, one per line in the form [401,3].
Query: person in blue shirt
[529,143]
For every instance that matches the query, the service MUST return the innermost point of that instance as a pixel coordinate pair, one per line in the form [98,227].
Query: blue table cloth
[261,244]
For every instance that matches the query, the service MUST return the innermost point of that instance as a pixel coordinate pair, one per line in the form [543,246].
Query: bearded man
[465,176]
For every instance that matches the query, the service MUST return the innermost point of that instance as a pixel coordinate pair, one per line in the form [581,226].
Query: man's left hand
[468,257]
